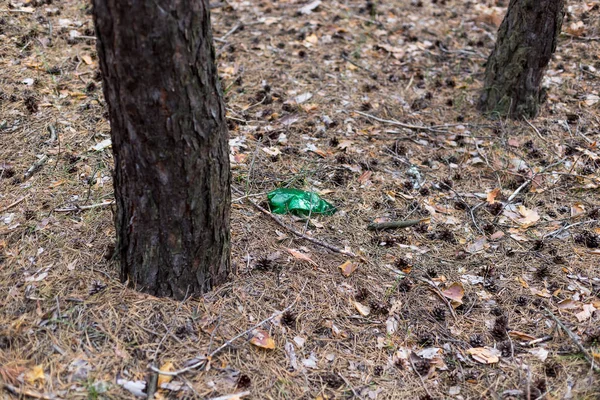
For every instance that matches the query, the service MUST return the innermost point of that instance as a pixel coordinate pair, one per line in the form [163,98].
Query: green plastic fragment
[299,202]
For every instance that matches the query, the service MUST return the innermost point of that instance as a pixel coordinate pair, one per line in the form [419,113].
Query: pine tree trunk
[170,144]
[526,40]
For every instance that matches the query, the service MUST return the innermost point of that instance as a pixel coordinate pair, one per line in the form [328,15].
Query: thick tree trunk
[526,40]
[170,144]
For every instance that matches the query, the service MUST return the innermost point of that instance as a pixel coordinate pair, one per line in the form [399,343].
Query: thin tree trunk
[526,40]
[170,144]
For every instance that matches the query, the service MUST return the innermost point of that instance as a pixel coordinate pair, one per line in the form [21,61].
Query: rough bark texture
[170,144]
[526,40]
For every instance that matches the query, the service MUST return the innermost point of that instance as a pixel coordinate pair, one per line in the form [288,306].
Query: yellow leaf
[35,374]
[167,367]
[260,338]
[312,39]
[348,268]
[523,282]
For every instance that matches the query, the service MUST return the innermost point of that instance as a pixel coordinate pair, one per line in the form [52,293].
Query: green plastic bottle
[298,202]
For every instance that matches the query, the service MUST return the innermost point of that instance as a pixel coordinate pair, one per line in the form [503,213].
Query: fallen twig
[375,226]
[372,74]
[35,167]
[299,234]
[204,360]
[354,392]
[401,124]
[420,377]
[28,393]
[81,208]
[441,296]
[528,181]
[567,227]
[574,339]
[11,205]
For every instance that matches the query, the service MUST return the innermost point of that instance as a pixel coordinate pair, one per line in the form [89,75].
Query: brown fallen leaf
[568,304]
[348,268]
[301,256]
[260,338]
[484,355]
[455,292]
[491,196]
[530,217]
[362,309]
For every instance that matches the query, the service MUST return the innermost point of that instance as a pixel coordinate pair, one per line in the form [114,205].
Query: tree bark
[526,40]
[170,144]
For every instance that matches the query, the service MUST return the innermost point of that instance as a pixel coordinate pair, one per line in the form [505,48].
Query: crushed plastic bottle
[298,202]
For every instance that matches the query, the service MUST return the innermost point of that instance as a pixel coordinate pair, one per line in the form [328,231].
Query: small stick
[538,340]
[375,226]
[528,181]
[11,205]
[350,386]
[18,11]
[300,234]
[574,338]
[231,32]
[564,228]
[397,123]
[420,377]
[226,344]
[81,208]
[28,393]
[231,396]
[372,75]
[441,296]
[35,167]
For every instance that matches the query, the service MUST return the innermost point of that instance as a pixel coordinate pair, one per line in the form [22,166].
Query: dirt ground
[494,293]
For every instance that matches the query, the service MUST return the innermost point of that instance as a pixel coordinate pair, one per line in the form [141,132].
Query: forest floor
[475,301]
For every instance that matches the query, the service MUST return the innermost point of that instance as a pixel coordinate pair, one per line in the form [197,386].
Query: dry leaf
[312,39]
[568,304]
[260,338]
[478,245]
[484,355]
[529,216]
[167,367]
[497,235]
[540,353]
[362,309]
[365,176]
[576,28]
[584,315]
[577,209]
[301,256]
[491,196]
[348,268]
[34,374]
[521,335]
[541,293]
[87,59]
[455,292]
